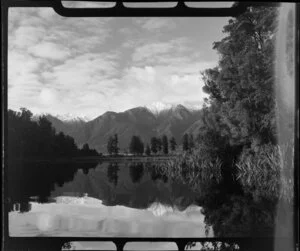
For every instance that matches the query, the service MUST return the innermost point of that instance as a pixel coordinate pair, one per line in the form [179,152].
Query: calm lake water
[104,199]
[129,199]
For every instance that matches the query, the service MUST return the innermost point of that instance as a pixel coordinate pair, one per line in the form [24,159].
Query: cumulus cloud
[157,51]
[25,36]
[48,96]
[49,51]
[154,24]
[161,85]
[83,70]
[86,66]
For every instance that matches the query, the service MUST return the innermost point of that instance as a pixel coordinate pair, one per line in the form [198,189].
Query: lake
[130,199]
[105,199]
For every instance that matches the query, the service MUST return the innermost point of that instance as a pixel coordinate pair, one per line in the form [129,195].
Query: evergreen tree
[185,142]
[87,151]
[136,145]
[141,147]
[159,144]
[46,137]
[154,145]
[26,114]
[173,144]
[115,144]
[148,151]
[133,145]
[241,88]
[241,111]
[28,138]
[85,147]
[191,142]
[110,145]
[165,144]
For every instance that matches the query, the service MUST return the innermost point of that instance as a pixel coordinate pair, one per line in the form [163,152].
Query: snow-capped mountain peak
[69,117]
[157,107]
[194,107]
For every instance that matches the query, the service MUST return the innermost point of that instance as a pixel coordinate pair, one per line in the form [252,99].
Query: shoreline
[103,159]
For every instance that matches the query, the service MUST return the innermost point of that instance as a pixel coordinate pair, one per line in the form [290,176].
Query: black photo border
[180,10]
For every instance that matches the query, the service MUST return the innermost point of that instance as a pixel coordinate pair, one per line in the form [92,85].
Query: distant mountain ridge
[68,117]
[142,121]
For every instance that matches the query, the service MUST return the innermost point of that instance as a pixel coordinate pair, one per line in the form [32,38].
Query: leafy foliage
[239,128]
[240,111]
[241,88]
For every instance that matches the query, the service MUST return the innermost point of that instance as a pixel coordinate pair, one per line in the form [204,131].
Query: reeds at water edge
[191,168]
[268,172]
[264,173]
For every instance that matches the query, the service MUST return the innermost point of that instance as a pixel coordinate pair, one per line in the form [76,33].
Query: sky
[87,66]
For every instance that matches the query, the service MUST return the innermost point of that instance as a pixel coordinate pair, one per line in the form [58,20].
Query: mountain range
[142,121]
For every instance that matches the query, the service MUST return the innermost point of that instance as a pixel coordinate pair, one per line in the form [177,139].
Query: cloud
[83,70]
[155,51]
[49,51]
[25,36]
[51,63]
[83,84]
[146,85]
[154,24]
[86,66]
[23,82]
[48,96]
[32,25]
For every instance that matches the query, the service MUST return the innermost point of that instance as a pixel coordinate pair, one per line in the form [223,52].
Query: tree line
[28,138]
[157,145]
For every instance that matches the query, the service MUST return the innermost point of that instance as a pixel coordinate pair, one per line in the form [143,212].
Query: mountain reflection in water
[129,199]
[72,216]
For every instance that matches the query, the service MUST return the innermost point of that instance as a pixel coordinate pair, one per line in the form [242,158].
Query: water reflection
[130,185]
[136,171]
[128,199]
[112,172]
